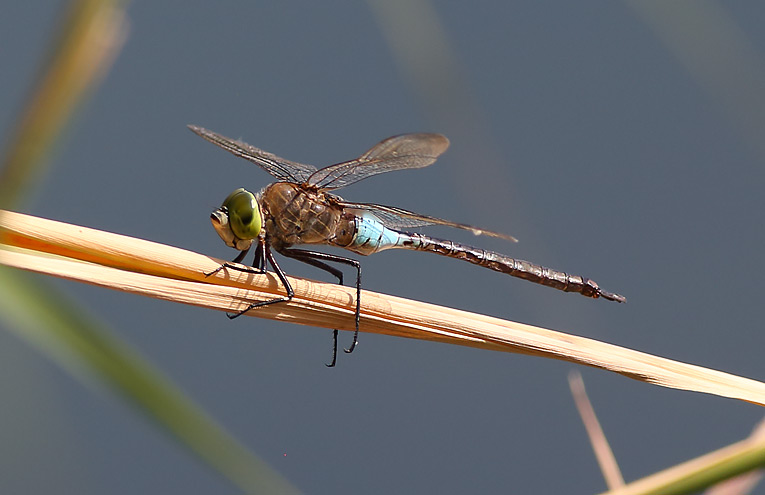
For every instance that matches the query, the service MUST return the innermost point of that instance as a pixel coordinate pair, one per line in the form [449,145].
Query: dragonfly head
[238,220]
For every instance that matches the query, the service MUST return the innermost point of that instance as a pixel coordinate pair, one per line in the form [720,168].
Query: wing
[398,218]
[394,153]
[283,170]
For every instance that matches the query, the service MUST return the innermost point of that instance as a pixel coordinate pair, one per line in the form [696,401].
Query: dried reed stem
[143,267]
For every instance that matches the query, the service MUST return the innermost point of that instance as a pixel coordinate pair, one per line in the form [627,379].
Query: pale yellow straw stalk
[156,270]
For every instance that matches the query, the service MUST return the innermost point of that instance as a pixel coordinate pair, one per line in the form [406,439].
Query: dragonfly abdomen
[505,264]
[364,233]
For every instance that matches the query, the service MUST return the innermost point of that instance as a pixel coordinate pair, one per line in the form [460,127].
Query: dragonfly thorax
[296,215]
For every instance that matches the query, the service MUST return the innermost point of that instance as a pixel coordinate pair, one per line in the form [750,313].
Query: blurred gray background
[615,141]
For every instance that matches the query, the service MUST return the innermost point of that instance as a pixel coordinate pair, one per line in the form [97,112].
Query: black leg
[279,273]
[299,254]
[317,259]
[262,255]
[238,259]
[334,350]
[259,263]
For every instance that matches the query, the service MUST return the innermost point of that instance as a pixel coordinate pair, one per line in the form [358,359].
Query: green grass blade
[50,321]
[88,40]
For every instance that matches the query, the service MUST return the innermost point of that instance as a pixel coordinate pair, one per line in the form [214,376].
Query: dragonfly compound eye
[242,221]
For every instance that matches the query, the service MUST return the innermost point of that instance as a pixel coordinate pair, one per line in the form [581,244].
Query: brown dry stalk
[603,453]
[143,267]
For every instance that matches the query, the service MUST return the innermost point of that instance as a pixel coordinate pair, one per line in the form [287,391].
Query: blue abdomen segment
[372,235]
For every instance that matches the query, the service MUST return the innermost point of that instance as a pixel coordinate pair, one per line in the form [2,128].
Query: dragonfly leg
[259,263]
[266,255]
[300,255]
[317,259]
[238,259]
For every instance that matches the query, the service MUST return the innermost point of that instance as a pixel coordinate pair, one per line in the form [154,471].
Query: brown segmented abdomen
[511,266]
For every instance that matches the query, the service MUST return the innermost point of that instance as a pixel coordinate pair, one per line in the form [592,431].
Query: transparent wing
[283,170]
[394,153]
[398,218]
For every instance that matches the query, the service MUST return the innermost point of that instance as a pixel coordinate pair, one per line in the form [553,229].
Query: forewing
[398,218]
[283,170]
[394,153]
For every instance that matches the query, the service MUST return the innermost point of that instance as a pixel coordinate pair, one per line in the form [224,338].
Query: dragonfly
[299,209]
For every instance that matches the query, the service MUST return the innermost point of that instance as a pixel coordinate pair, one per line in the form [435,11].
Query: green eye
[243,214]
[238,220]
